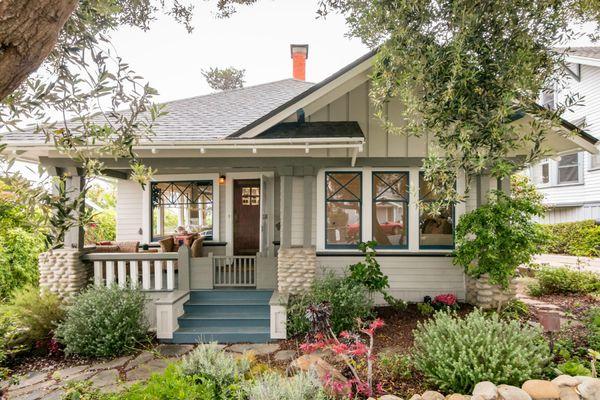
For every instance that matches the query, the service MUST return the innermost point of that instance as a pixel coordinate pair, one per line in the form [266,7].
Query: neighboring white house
[570,183]
[281,180]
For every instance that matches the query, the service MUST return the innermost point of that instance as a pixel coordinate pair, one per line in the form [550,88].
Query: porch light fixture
[254,150]
[154,151]
[222,180]
[202,150]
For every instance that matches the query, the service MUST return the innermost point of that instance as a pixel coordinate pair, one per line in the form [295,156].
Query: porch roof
[338,129]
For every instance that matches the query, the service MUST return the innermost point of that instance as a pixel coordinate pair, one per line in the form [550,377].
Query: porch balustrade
[147,271]
[234,271]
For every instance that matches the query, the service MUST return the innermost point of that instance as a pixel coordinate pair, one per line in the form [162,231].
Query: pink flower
[447,299]
[340,348]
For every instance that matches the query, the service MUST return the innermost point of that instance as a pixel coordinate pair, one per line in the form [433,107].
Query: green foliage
[515,309]
[395,366]
[572,238]
[173,385]
[19,252]
[36,314]
[426,309]
[455,354]
[497,237]
[212,363]
[348,300]
[592,323]
[104,322]
[103,226]
[9,332]
[224,78]
[573,368]
[273,386]
[564,280]
[82,390]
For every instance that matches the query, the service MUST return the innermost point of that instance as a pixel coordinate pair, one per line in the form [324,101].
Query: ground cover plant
[104,321]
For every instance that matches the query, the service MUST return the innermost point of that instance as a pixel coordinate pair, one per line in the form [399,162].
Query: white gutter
[594,62]
[224,144]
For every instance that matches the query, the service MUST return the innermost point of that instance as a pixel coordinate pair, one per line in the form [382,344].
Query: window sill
[540,187]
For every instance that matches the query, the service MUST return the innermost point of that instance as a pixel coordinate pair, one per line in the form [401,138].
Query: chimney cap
[299,48]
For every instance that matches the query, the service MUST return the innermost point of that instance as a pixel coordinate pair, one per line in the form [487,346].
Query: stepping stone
[66,373]
[142,358]
[111,364]
[31,389]
[284,355]
[30,379]
[82,376]
[174,350]
[258,349]
[56,395]
[118,387]
[145,371]
[105,378]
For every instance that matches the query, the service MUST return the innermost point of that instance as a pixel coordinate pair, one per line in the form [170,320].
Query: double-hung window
[390,209]
[343,203]
[568,169]
[435,231]
[187,204]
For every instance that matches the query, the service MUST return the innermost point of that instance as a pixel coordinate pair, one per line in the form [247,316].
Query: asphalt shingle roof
[208,117]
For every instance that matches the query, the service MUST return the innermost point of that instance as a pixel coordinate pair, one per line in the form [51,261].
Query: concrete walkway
[574,262]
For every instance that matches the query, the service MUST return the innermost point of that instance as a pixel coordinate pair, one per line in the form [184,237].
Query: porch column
[296,263]
[61,270]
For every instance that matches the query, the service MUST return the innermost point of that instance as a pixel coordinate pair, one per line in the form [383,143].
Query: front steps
[225,316]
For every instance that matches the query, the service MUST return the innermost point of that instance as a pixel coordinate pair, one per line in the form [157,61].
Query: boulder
[590,389]
[416,397]
[565,380]
[456,396]
[485,391]
[389,397]
[568,393]
[539,389]
[311,362]
[432,395]
[508,392]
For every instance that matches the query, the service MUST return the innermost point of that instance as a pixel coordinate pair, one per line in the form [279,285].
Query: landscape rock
[432,395]
[284,355]
[590,389]
[508,392]
[30,379]
[486,390]
[456,396]
[258,349]
[565,380]
[539,389]
[311,362]
[142,358]
[145,371]
[110,364]
[389,397]
[568,393]
[66,373]
[105,378]
[416,397]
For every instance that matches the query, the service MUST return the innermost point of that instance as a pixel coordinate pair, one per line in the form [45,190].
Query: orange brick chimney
[299,56]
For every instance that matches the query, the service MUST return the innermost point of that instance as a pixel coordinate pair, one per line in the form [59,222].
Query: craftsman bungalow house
[279,181]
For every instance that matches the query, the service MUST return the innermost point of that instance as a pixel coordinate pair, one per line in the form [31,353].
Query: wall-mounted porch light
[222,180]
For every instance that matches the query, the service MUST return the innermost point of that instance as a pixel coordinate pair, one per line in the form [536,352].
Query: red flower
[447,299]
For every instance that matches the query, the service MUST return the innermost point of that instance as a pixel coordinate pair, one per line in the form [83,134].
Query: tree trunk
[29,31]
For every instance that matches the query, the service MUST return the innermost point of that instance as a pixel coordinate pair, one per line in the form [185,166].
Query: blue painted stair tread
[225,316]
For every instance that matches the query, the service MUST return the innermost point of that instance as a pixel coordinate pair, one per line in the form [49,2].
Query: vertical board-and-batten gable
[356,105]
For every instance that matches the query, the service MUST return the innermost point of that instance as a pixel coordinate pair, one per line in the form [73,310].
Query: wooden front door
[246,216]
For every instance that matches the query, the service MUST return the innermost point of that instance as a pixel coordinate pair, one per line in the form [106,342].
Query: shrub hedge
[580,238]
[564,280]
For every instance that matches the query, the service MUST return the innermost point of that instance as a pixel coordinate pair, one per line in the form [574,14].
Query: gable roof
[585,52]
[208,117]
[321,129]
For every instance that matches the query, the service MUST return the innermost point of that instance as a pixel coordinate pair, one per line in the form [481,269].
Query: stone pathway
[118,374]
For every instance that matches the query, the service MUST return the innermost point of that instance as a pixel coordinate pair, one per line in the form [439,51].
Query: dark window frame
[436,247]
[359,175]
[205,182]
[406,202]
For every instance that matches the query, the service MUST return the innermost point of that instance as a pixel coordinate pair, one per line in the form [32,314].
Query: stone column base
[63,272]
[296,269]
[481,293]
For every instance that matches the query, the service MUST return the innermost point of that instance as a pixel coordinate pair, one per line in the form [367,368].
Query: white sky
[256,38]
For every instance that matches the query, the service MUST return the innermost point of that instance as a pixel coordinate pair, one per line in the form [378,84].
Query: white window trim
[147,201]
[367,204]
[580,168]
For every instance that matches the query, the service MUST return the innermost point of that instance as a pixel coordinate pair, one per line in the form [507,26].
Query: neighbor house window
[568,169]
[390,209]
[343,202]
[435,231]
[594,161]
[545,172]
[187,204]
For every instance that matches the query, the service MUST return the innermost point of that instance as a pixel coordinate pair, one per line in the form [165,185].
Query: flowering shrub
[445,301]
[354,352]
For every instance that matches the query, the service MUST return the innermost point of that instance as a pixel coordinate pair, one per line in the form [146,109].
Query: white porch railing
[234,271]
[148,271]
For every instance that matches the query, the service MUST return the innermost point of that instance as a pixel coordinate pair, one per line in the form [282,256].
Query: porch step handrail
[157,269]
[234,271]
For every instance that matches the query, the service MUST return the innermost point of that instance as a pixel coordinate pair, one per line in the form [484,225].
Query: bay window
[186,204]
[343,203]
[390,209]
[435,231]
